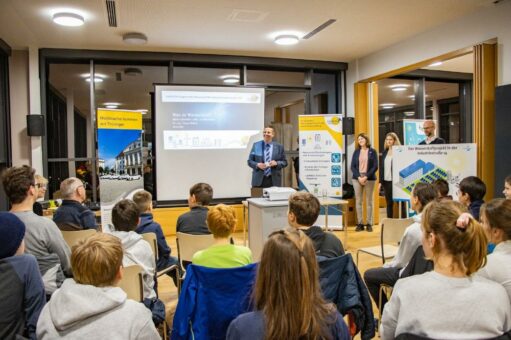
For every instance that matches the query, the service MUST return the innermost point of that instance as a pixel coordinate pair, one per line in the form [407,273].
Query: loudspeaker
[348,126]
[35,125]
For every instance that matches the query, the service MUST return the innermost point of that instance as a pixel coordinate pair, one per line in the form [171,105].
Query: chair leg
[357,258]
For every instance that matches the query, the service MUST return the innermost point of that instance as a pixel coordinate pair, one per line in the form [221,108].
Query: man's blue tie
[267,159]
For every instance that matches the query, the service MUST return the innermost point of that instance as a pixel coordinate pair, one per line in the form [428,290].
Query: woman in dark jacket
[364,165]
[391,139]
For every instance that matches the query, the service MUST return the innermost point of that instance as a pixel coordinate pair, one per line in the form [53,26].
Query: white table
[343,204]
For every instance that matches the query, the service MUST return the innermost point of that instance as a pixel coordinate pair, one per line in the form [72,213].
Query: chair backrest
[188,245]
[151,239]
[73,237]
[131,282]
[392,229]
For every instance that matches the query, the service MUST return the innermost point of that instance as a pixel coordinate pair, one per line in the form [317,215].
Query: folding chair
[151,239]
[188,245]
[392,230]
[73,237]
[131,282]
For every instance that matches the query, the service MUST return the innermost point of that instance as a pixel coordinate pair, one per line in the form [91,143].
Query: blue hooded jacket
[148,225]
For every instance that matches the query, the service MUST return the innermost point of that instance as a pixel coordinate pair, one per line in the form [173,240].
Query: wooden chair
[73,237]
[151,239]
[188,245]
[392,230]
[131,282]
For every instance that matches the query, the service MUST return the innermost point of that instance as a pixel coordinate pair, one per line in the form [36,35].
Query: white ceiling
[206,26]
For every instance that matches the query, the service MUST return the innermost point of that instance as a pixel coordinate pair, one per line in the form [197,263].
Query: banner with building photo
[121,154]
[320,152]
[412,164]
[413,133]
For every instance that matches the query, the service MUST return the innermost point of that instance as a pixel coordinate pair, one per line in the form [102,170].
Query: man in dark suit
[266,159]
[429,130]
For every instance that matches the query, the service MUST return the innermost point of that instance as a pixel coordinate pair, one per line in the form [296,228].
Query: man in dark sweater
[72,214]
[22,295]
[471,193]
[303,212]
[429,131]
[194,221]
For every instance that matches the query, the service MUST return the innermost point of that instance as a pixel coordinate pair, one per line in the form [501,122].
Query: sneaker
[360,227]
[369,228]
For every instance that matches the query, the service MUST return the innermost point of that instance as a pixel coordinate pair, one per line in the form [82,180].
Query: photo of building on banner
[427,163]
[122,153]
[321,150]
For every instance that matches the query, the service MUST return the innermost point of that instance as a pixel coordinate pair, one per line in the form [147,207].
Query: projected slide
[204,134]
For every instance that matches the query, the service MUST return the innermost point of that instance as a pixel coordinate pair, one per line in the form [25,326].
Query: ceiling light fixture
[387,107]
[409,113]
[96,80]
[231,80]
[132,71]
[438,63]
[286,39]
[399,89]
[143,111]
[134,38]
[68,19]
[111,106]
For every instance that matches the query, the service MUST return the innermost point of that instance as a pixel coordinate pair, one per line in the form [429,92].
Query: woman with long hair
[496,221]
[448,303]
[287,295]
[364,165]
[391,139]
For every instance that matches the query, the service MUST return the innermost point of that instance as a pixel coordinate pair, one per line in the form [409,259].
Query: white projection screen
[204,134]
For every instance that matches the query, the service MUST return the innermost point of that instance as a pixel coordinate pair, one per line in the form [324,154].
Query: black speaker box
[348,125]
[35,125]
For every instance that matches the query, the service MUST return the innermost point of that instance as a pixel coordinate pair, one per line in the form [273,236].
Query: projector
[277,193]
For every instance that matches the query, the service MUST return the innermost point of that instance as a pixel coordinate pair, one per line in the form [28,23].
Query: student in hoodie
[144,202]
[90,306]
[471,193]
[422,194]
[22,295]
[303,212]
[194,221]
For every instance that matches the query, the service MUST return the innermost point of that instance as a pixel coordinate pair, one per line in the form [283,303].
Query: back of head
[497,213]
[203,193]
[221,220]
[425,193]
[466,242]
[305,207]
[68,187]
[96,260]
[12,232]
[287,288]
[17,181]
[442,187]
[508,180]
[125,215]
[143,200]
[474,187]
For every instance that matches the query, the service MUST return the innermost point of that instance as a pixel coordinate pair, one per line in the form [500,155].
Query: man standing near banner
[429,131]
[266,159]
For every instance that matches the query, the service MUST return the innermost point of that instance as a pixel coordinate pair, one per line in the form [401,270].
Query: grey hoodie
[78,311]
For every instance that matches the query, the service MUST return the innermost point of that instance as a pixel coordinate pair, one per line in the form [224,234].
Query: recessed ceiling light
[409,113]
[112,103]
[286,39]
[399,89]
[231,80]
[68,19]
[96,80]
[134,38]
[387,104]
[438,63]
[111,106]
[387,107]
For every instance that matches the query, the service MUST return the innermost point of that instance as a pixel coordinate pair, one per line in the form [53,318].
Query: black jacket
[326,244]
[75,213]
[437,140]
[372,164]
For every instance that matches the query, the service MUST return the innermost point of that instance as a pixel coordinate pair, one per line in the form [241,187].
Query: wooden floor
[168,292]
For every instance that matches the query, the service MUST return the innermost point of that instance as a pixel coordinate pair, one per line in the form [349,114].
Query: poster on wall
[121,155]
[321,148]
[427,163]
[413,133]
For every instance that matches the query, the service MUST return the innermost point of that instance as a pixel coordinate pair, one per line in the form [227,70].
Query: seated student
[194,221]
[41,183]
[471,193]
[43,238]
[303,212]
[496,221]
[442,188]
[90,306]
[72,212]
[125,220]
[448,303]
[507,187]
[222,254]
[144,202]
[22,295]
[287,295]
[422,194]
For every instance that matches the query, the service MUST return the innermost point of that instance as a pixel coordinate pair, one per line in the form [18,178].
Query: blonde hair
[221,220]
[394,137]
[143,200]
[96,260]
[40,179]
[467,244]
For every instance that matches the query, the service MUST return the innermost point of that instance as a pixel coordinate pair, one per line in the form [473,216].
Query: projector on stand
[277,193]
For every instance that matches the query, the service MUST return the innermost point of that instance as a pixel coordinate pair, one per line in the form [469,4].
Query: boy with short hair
[194,221]
[442,189]
[303,212]
[90,306]
[22,295]
[471,193]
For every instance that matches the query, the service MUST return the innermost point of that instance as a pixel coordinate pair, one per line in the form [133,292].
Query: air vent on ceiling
[243,15]
[111,13]
[319,28]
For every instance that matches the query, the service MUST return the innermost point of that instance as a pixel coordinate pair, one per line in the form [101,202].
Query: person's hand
[273,164]
[361,181]
[261,166]
[379,187]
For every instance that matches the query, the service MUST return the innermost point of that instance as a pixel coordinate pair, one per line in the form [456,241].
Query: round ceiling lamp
[96,80]
[286,39]
[68,19]
[134,38]
[231,80]
[132,71]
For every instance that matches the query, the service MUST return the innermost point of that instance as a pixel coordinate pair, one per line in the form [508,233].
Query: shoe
[360,227]
[369,228]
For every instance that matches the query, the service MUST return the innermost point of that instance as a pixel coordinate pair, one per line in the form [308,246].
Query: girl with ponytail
[287,295]
[449,303]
